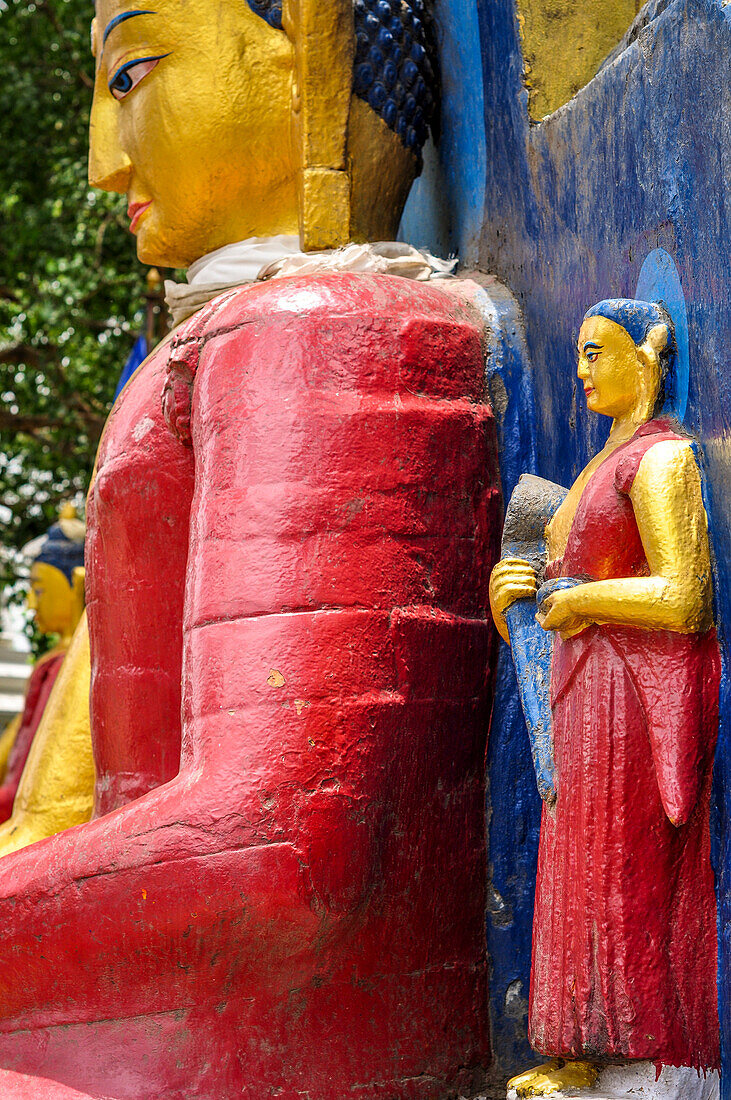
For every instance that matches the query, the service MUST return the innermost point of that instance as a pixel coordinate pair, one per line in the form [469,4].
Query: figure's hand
[558,612]
[512,579]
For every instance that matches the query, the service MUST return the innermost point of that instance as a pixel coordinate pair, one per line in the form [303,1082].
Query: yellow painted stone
[564,43]
[239,130]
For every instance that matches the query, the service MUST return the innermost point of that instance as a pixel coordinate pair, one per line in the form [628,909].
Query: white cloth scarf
[274,257]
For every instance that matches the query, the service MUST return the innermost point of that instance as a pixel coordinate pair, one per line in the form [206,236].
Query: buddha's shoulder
[323,297]
[356,325]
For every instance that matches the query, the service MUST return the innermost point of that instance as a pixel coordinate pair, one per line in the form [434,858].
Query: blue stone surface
[445,209]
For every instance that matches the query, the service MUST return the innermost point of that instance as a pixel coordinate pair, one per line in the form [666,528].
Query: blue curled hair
[395,67]
[61,551]
[637,318]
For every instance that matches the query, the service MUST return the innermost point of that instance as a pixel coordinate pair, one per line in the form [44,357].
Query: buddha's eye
[129,75]
[592,356]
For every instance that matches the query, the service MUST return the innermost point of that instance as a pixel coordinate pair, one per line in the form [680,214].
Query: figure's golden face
[51,598]
[191,119]
[609,368]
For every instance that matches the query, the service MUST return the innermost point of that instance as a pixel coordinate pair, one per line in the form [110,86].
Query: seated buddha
[282,889]
[56,599]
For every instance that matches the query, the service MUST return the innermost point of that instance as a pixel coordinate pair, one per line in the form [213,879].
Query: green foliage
[71,289]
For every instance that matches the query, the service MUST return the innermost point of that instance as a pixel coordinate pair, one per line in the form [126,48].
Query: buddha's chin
[154,249]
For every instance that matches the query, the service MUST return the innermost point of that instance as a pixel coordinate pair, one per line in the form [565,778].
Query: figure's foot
[523,1079]
[553,1077]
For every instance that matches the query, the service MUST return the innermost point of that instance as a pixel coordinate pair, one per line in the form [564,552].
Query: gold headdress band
[324,51]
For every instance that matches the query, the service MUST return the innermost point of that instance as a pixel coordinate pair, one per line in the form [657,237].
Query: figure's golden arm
[668,505]
[57,786]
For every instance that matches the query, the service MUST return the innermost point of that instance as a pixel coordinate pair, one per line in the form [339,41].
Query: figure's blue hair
[62,552]
[395,63]
[637,318]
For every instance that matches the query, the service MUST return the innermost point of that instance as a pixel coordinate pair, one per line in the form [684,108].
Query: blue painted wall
[640,159]
[445,208]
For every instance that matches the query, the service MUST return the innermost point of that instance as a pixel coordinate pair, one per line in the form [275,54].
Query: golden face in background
[191,120]
[51,598]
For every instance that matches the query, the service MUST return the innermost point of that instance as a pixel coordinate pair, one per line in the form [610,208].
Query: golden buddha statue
[56,598]
[290,150]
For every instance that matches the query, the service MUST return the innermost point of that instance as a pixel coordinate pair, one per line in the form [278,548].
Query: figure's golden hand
[512,579]
[558,612]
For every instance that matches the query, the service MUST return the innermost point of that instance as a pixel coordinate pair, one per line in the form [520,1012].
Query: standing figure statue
[624,934]
[56,599]
[289,534]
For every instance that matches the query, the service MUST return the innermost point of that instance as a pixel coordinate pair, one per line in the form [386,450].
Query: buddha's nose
[31,601]
[110,169]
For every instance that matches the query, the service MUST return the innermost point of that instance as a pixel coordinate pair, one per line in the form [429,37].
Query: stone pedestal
[637,1082]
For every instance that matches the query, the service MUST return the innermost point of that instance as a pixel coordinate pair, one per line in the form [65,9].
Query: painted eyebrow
[123,17]
[591,344]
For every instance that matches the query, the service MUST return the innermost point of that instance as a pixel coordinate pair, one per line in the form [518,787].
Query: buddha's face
[609,368]
[191,120]
[51,598]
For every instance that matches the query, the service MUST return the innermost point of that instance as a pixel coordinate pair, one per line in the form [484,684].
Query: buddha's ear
[648,355]
[323,38]
[655,341]
[657,338]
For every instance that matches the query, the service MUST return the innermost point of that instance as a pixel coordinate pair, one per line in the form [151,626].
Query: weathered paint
[639,160]
[297,911]
[564,44]
[659,281]
[512,804]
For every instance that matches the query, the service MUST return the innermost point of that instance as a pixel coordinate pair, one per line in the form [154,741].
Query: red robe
[624,933]
[42,679]
[282,893]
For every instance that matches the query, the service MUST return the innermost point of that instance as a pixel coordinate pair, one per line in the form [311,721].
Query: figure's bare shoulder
[670,464]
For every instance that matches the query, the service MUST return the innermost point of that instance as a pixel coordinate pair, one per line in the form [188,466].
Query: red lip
[588,390]
[135,210]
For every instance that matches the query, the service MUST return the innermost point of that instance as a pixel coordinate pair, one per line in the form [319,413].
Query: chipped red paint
[299,911]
